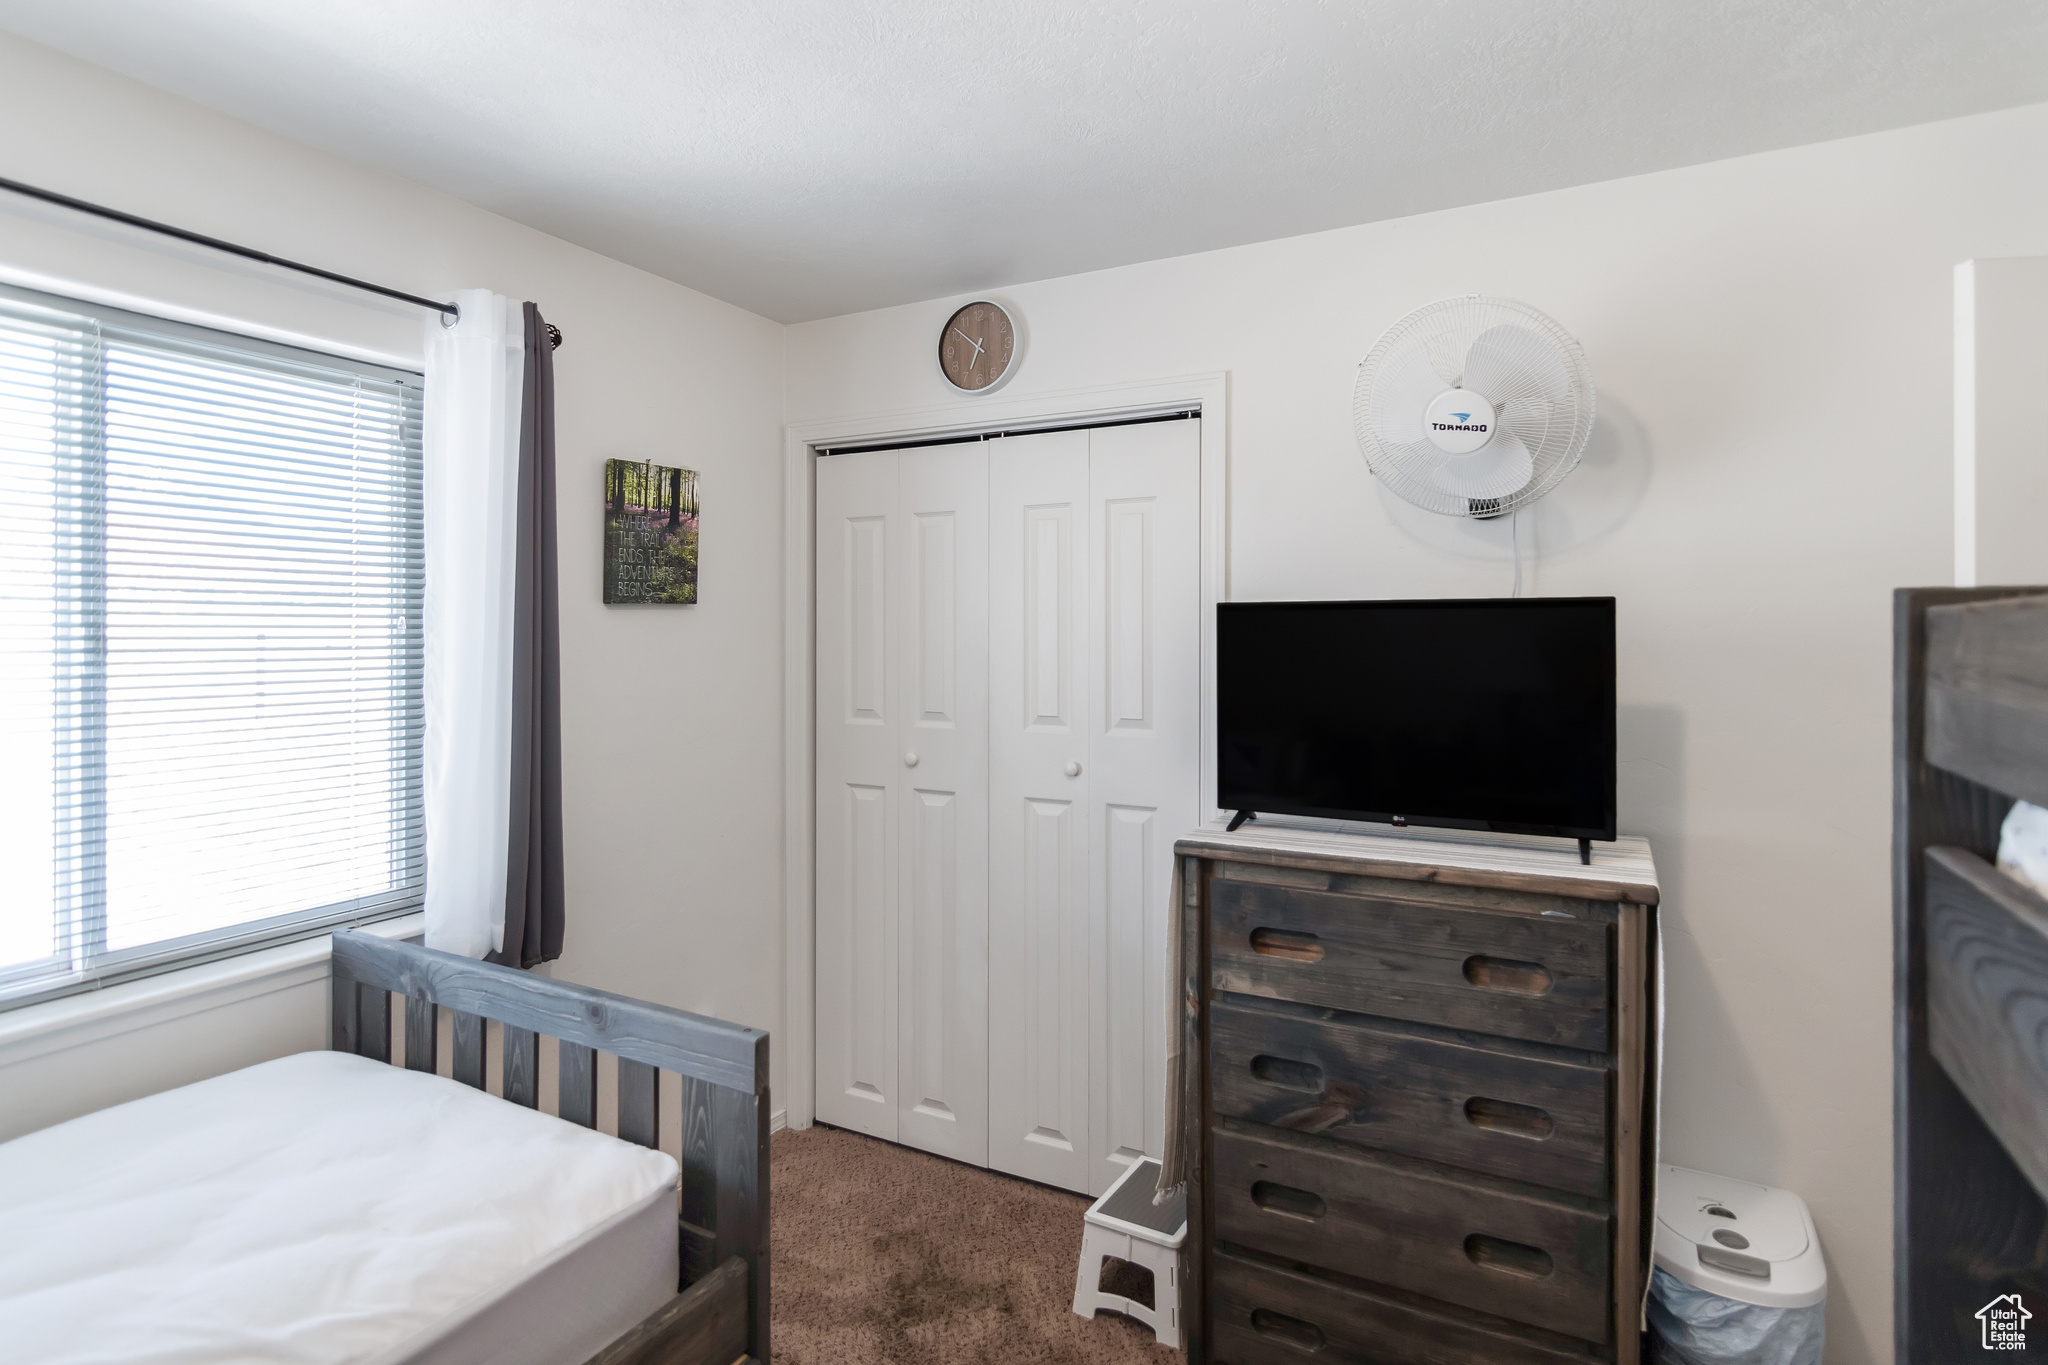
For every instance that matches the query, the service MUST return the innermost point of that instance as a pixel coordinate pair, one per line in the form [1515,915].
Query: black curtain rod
[250,253]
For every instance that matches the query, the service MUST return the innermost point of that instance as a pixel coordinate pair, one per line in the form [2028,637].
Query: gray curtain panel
[533,884]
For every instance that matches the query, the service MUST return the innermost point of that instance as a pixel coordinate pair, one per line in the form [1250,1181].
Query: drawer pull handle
[1502,1116]
[1288,1202]
[1506,974]
[1510,1258]
[1288,944]
[1293,1331]
[1288,1072]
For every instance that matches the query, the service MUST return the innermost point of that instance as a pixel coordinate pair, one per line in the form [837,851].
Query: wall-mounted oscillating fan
[1473,406]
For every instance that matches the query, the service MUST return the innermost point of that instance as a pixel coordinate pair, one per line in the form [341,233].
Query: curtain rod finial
[554,337]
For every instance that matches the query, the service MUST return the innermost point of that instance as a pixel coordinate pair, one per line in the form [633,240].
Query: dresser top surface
[1622,870]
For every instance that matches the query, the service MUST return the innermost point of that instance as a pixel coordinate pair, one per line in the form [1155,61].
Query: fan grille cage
[1555,432]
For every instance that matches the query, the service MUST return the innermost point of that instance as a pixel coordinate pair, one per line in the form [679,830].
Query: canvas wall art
[650,533]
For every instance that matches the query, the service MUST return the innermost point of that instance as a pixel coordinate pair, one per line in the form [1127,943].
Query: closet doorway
[1008,709]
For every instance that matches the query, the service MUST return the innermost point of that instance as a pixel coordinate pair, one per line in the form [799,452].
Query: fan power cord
[1515,529]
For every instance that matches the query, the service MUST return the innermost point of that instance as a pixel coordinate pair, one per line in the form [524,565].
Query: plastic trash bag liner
[1694,1327]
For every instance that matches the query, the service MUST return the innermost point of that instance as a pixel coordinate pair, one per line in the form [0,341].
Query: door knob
[909,759]
[1073,768]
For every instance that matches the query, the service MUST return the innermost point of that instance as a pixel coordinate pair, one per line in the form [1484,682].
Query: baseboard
[778,1120]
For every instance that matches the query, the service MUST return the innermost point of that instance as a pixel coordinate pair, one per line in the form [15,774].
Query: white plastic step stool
[1126,1224]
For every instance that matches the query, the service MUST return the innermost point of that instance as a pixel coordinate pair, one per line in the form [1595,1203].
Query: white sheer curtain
[474,379]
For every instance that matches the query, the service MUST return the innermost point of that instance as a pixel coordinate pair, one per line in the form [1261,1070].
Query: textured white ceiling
[803,158]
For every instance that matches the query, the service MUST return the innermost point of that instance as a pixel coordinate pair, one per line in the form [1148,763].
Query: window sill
[76,1020]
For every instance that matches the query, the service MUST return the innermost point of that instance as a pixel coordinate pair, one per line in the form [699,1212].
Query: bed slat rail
[522,1066]
[576,1090]
[422,1038]
[362,1019]
[712,1050]
[723,1214]
[1987,693]
[639,1095]
[467,1039]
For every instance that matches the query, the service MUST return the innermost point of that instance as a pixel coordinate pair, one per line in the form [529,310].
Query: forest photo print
[650,533]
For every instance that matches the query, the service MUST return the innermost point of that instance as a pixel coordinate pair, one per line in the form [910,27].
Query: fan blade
[1411,459]
[1401,392]
[1498,468]
[1511,364]
[1528,420]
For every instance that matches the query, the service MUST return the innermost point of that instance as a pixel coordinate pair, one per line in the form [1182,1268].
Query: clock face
[977,346]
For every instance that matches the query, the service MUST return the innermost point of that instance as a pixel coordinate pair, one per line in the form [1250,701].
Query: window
[210,644]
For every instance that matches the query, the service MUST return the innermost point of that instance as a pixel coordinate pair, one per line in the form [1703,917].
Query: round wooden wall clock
[978,347]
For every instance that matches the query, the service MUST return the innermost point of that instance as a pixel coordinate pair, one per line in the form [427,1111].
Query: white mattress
[325,1208]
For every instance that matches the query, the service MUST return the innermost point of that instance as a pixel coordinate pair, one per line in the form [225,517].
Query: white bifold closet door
[1008,745]
[902,815]
[1094,766]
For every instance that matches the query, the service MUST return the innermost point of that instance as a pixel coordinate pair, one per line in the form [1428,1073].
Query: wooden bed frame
[1970,1077]
[720,1314]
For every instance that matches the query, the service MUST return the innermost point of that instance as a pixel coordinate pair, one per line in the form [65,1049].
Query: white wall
[1770,337]
[673,812]
[74,1056]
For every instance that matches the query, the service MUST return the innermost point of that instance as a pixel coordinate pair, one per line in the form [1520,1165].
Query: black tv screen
[1476,713]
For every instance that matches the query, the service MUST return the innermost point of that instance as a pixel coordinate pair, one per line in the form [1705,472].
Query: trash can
[1738,1277]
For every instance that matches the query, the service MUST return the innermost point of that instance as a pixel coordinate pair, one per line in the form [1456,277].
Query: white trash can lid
[1745,1242]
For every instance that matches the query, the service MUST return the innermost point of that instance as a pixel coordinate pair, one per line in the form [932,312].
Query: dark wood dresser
[1420,1069]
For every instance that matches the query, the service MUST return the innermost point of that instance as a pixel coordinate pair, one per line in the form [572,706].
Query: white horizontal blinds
[49,441]
[236,648]
[263,575]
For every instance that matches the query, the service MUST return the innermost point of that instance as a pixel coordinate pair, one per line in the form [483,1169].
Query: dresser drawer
[1265,1315]
[1517,975]
[1517,1256]
[1540,1121]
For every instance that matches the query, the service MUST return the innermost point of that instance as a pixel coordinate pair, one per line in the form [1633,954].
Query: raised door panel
[1042,940]
[942,668]
[1144,758]
[858,794]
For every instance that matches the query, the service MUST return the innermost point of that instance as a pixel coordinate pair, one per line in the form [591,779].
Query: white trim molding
[76,1020]
[1207,394]
[1966,425]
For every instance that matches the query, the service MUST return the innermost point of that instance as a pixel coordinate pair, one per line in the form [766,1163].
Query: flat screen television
[1474,713]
